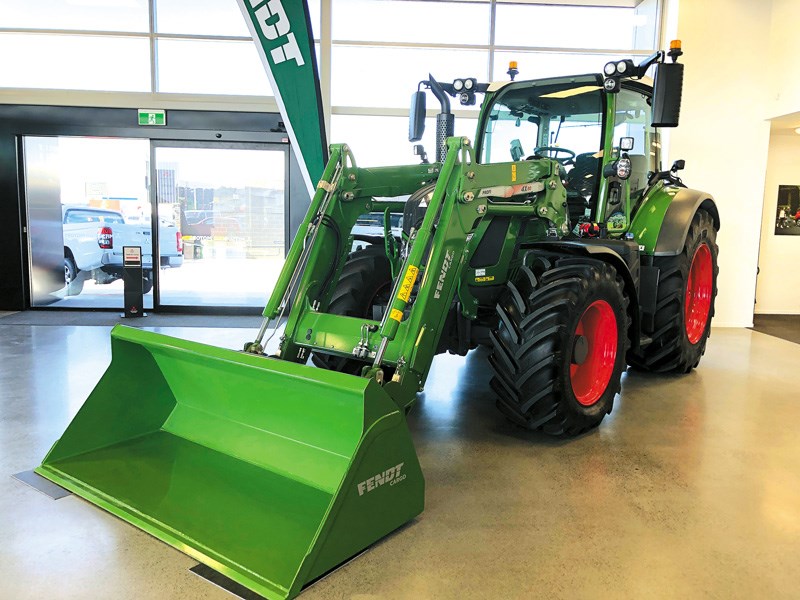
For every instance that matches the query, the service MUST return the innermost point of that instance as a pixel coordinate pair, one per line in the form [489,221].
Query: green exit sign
[149,116]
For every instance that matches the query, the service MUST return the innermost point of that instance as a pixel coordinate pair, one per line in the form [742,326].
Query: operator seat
[581,183]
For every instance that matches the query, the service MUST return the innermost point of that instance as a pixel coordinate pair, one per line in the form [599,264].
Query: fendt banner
[282,30]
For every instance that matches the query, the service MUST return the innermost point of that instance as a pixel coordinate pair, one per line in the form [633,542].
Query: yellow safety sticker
[513,172]
[408,284]
[484,279]
[397,315]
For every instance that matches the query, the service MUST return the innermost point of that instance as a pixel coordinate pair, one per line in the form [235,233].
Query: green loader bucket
[270,472]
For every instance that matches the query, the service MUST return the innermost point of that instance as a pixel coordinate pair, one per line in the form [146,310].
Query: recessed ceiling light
[797,131]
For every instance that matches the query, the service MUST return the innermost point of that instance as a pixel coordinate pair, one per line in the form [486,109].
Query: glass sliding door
[86,198]
[223,208]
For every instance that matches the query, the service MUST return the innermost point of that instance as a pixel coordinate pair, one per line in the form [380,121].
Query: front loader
[555,241]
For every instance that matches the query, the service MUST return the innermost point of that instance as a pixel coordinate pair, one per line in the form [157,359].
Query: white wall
[723,134]
[784,43]
[778,289]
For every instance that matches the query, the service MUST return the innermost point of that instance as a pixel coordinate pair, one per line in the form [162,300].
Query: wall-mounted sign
[787,217]
[152,116]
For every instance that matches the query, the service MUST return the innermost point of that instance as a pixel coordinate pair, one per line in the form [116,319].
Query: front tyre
[559,350]
[687,289]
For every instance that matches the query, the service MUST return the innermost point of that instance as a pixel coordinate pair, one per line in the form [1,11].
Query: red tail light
[105,238]
[179,242]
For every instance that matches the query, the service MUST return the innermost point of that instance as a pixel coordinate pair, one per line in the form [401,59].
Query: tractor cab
[564,119]
[601,129]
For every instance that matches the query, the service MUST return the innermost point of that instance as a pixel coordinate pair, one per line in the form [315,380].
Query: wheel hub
[699,291]
[594,352]
[580,350]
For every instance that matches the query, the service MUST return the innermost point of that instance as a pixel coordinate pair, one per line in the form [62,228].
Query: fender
[604,249]
[662,221]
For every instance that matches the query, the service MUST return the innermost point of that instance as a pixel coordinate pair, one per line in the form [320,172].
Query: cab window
[633,118]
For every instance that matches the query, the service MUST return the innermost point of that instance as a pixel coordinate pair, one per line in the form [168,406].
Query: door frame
[18,120]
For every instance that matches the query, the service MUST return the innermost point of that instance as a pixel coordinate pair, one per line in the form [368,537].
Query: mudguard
[662,221]
[610,251]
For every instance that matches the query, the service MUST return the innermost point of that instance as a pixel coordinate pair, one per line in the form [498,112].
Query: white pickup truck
[93,242]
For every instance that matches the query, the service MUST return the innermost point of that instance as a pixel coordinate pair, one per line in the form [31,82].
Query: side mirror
[667,92]
[416,117]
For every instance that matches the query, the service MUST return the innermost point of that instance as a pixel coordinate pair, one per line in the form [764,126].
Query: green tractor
[554,240]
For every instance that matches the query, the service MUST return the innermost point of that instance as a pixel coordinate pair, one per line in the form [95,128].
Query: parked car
[93,243]
[82,252]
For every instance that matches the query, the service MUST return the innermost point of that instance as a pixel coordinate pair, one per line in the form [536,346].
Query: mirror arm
[440,94]
[648,62]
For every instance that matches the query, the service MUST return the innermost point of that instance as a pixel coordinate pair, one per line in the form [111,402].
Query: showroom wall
[724,134]
[778,290]
[784,50]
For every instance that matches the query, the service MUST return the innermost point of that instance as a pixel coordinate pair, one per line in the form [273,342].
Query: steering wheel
[567,160]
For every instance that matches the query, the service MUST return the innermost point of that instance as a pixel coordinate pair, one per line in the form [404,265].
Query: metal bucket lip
[162,342]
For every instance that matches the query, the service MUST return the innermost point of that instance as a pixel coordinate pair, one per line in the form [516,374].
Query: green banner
[282,29]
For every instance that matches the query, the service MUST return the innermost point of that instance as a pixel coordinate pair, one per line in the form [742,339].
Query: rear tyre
[147,282]
[687,288]
[72,280]
[559,350]
[362,292]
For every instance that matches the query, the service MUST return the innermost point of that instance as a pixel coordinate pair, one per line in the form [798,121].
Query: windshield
[555,118]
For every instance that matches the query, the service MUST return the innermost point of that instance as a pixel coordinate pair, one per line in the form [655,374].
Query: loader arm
[429,278]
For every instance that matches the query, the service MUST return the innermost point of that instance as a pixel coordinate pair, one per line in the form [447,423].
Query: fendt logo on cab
[278,27]
[390,476]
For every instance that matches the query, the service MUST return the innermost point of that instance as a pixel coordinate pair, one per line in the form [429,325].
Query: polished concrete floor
[690,489]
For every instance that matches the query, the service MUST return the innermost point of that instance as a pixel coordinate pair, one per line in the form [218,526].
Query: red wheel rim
[699,288]
[598,325]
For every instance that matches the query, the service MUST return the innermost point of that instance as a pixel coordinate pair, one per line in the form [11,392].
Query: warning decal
[408,284]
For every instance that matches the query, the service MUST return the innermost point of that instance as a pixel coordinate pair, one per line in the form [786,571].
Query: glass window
[74,186]
[564,114]
[87,15]
[388,76]
[315,13]
[633,119]
[93,216]
[74,62]
[548,26]
[204,17]
[228,204]
[536,65]
[211,67]
[411,21]
[383,141]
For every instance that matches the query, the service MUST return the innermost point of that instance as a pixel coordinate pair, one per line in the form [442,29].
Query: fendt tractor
[554,240]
